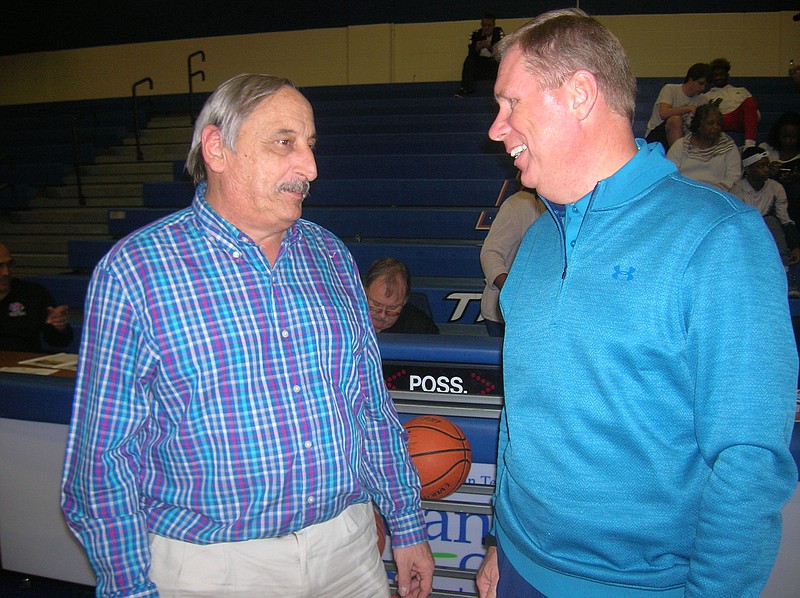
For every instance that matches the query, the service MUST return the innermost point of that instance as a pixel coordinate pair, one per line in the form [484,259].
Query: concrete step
[95,190]
[128,168]
[27,262]
[164,135]
[24,271]
[51,215]
[106,202]
[158,152]
[109,179]
[57,228]
[37,243]
[169,122]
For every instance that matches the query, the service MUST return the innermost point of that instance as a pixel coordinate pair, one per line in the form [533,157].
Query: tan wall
[758,44]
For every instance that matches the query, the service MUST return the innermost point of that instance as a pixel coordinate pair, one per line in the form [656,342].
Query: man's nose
[498,129]
[307,164]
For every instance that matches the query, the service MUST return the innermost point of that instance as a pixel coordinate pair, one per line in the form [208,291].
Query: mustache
[296,186]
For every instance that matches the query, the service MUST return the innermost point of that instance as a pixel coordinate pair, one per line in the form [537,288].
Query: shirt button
[284,333]
[575,209]
[237,254]
[296,388]
[310,500]
[308,444]
[572,243]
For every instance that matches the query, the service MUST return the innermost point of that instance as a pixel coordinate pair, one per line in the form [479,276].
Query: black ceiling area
[36,25]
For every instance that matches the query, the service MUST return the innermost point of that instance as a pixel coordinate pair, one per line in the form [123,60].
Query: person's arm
[781,204]
[666,110]
[389,474]
[57,330]
[393,481]
[488,574]
[497,35]
[741,353]
[501,243]
[675,153]
[472,48]
[414,570]
[732,168]
[100,488]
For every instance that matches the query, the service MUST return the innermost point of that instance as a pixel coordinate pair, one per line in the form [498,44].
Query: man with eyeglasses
[27,314]
[388,288]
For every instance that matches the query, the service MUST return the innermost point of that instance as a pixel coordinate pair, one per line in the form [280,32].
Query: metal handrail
[76,161]
[192,74]
[139,155]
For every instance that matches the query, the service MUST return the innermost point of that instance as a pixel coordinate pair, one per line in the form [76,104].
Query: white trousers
[335,559]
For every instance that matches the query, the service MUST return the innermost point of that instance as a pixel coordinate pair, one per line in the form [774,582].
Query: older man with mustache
[231,426]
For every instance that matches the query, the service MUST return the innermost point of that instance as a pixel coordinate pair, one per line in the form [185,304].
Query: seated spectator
[739,108]
[499,249]
[480,63]
[27,314]
[675,106]
[783,148]
[769,198]
[706,154]
[387,285]
[794,73]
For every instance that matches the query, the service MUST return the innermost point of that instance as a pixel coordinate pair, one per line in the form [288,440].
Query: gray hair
[558,43]
[227,108]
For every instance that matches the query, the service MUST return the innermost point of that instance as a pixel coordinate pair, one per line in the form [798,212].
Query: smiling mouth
[517,151]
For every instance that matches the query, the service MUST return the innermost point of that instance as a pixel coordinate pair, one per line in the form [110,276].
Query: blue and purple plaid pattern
[221,399]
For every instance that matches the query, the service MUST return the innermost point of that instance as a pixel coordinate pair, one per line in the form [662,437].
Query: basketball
[381,531]
[441,452]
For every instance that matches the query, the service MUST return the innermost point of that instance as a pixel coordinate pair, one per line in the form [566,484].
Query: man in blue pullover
[649,361]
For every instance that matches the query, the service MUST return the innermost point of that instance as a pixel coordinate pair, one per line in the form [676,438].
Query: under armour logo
[620,274]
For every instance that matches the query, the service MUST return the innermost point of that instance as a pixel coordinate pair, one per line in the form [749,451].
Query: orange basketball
[381,531]
[441,452]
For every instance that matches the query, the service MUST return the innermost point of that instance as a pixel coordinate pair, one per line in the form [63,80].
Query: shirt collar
[214,226]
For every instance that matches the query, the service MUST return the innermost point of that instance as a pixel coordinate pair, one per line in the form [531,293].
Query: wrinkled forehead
[286,111]
[386,288]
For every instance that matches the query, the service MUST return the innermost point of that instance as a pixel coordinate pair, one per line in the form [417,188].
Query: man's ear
[213,148]
[583,89]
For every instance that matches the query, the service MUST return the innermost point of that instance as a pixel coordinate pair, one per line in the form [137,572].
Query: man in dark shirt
[480,63]
[388,287]
[26,313]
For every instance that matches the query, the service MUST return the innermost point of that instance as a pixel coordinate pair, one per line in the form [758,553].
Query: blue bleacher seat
[67,289]
[14,197]
[352,222]
[364,192]
[176,194]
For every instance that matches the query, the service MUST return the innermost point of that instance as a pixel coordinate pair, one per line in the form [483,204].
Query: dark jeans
[477,68]
[510,583]
[658,135]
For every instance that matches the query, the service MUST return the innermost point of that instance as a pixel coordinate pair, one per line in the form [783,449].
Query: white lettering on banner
[462,298]
[442,384]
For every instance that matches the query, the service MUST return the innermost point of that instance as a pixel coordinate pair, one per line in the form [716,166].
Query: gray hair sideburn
[230,105]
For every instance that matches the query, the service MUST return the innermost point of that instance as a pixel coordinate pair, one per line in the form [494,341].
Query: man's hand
[794,257]
[414,570]
[57,317]
[488,574]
